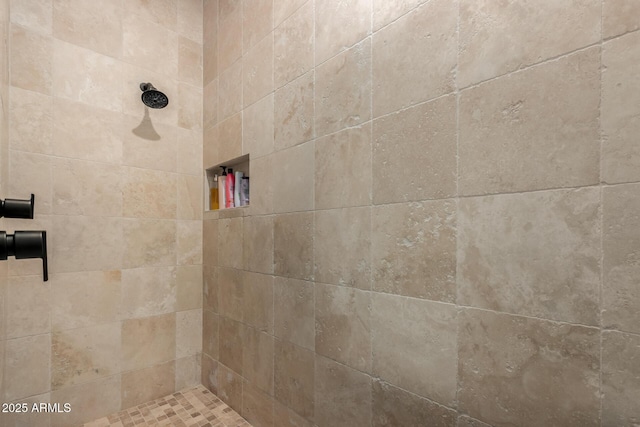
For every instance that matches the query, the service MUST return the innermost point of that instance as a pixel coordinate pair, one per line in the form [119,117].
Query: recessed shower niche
[214,185]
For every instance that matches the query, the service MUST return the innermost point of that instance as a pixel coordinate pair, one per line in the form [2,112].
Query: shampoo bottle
[214,201]
[222,184]
[236,193]
[244,191]
[229,188]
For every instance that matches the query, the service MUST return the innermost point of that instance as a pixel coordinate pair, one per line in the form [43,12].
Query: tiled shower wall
[443,226]
[4,146]
[119,191]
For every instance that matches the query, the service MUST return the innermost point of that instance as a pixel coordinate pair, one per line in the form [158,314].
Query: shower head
[152,97]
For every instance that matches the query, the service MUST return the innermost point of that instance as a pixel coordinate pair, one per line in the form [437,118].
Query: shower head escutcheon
[153,98]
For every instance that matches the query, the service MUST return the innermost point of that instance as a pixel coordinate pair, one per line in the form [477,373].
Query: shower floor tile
[191,407]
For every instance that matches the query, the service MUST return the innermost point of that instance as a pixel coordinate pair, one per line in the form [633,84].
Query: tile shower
[442,228]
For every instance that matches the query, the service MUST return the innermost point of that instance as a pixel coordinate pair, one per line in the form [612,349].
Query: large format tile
[33,135]
[27,364]
[527,372]
[531,130]
[231,344]
[620,109]
[500,37]
[293,245]
[148,341]
[257,21]
[148,291]
[619,17]
[258,301]
[31,60]
[148,242]
[83,398]
[535,254]
[28,306]
[340,25]
[258,128]
[257,363]
[294,318]
[257,71]
[148,194]
[293,45]
[620,379]
[229,38]
[294,112]
[147,384]
[294,378]
[258,244]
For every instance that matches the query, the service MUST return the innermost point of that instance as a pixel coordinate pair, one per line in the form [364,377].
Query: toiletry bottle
[222,188]
[213,196]
[229,188]
[244,191]
[236,191]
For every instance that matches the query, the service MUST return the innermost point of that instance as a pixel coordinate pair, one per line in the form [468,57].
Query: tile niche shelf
[239,164]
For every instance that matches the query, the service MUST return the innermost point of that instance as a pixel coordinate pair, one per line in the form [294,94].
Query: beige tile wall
[443,228]
[120,321]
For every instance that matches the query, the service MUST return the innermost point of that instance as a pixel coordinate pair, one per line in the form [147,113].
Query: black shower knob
[25,245]
[16,208]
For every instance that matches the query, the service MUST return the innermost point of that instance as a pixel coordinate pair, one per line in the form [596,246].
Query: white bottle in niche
[236,189]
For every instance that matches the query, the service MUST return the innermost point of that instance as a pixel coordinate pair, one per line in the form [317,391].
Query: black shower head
[152,97]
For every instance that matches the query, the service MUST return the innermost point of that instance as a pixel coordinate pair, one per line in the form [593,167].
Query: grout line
[457,207]
[601,195]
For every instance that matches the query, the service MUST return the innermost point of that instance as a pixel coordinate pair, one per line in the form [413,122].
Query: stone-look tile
[188,287]
[262,185]
[148,291]
[343,90]
[342,247]
[258,244]
[75,243]
[148,341]
[34,15]
[285,417]
[284,8]
[340,25]
[84,299]
[189,61]
[528,372]
[209,374]
[30,60]
[148,242]
[230,345]
[189,241]
[210,334]
[293,179]
[189,106]
[229,33]
[414,345]
[29,418]
[342,395]
[414,153]
[620,109]
[84,354]
[395,407]
[485,52]
[161,12]
[33,172]
[230,243]
[293,45]
[257,21]
[231,293]
[85,76]
[230,139]
[189,197]
[86,188]
[530,130]
[86,132]
[258,128]
[343,169]
[210,242]
[294,318]
[149,145]
[465,421]
[27,366]
[210,41]
[141,42]
[413,249]
[618,17]
[621,235]
[535,254]
[229,387]
[257,71]
[33,135]
[147,384]
[419,47]
[293,245]
[188,333]
[294,378]
[257,364]
[620,379]
[230,91]
[293,112]
[210,288]
[343,325]
[385,12]
[257,406]
[83,398]
[188,372]
[189,152]
[77,23]
[210,104]
[190,22]
[258,301]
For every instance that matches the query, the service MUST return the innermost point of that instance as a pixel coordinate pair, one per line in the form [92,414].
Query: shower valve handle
[15,208]
[25,245]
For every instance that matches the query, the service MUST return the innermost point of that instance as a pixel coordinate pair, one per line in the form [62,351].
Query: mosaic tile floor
[187,408]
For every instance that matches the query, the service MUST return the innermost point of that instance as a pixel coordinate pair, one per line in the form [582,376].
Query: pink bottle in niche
[229,188]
